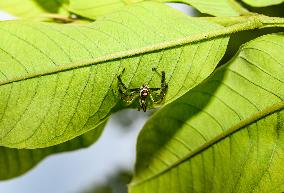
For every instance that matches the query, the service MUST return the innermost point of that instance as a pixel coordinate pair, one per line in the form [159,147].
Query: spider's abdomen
[143,105]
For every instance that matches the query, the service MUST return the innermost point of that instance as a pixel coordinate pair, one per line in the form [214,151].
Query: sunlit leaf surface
[93,9]
[225,135]
[60,81]
[214,7]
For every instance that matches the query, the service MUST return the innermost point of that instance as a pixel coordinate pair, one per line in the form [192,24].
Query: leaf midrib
[242,124]
[252,23]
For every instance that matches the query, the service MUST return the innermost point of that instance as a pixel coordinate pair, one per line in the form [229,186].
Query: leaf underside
[35,9]
[214,7]
[15,162]
[94,9]
[32,9]
[225,135]
[60,81]
[262,3]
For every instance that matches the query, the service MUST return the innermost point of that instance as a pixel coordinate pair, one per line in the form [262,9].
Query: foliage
[220,127]
[68,88]
[33,9]
[234,121]
[14,162]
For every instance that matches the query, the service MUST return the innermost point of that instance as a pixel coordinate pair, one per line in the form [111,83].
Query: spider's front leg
[159,93]
[127,95]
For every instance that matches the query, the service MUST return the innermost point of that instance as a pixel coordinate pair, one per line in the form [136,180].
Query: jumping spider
[156,95]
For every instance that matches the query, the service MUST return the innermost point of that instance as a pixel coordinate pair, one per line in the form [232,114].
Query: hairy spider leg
[158,98]
[126,95]
[163,78]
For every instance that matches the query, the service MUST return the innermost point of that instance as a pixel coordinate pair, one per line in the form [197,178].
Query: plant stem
[272,21]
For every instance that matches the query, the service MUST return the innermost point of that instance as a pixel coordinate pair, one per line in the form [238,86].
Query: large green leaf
[15,162]
[215,7]
[262,3]
[93,9]
[60,81]
[227,134]
[32,9]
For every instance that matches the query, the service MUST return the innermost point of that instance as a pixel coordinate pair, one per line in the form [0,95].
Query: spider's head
[144,93]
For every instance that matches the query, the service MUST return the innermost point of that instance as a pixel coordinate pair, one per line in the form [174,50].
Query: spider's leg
[121,85]
[122,89]
[127,95]
[163,78]
[155,70]
[129,98]
[155,89]
[158,97]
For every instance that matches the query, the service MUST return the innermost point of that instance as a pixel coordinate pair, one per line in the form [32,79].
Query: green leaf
[262,3]
[15,162]
[32,9]
[215,7]
[93,9]
[60,81]
[225,135]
